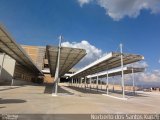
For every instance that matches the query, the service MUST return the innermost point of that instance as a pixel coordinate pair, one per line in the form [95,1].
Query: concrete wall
[22,73]
[8,66]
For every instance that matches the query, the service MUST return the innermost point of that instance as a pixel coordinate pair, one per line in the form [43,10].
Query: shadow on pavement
[83,90]
[50,88]
[10,87]
[10,101]
[2,107]
[128,93]
[103,91]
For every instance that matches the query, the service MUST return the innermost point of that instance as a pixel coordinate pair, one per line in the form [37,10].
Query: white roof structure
[68,58]
[109,61]
[116,72]
[10,47]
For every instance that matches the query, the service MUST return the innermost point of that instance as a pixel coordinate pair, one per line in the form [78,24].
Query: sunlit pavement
[38,100]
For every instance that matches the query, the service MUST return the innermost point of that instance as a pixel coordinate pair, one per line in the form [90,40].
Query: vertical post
[12,82]
[94,83]
[57,68]
[123,92]
[81,82]
[133,81]
[101,83]
[97,83]
[90,82]
[85,82]
[107,82]
[3,56]
[113,83]
[72,81]
[76,82]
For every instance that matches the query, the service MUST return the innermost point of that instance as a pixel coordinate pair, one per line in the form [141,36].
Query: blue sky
[40,22]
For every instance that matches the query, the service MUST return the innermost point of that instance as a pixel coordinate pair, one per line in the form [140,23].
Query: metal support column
[90,83]
[12,82]
[101,83]
[123,92]
[81,82]
[54,93]
[113,83]
[85,81]
[97,83]
[107,83]
[76,82]
[72,81]
[133,78]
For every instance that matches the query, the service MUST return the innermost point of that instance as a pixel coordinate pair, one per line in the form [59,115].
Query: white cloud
[93,53]
[82,2]
[145,77]
[118,9]
[141,64]
[153,76]
[149,78]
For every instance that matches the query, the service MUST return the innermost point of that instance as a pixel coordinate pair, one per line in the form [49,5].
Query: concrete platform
[30,99]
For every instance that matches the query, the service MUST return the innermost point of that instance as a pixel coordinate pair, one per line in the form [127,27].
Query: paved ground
[38,100]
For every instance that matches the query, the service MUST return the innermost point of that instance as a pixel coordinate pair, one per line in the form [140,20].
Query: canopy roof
[68,58]
[116,72]
[109,61]
[10,47]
